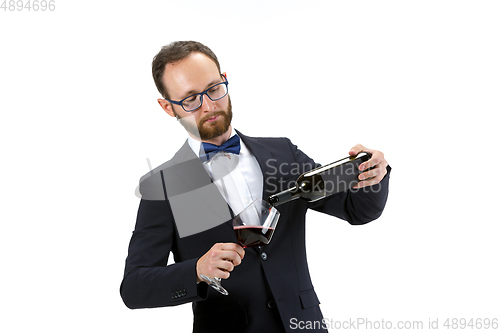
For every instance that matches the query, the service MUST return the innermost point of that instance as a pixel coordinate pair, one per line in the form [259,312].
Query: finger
[357,149]
[241,251]
[369,174]
[225,266]
[218,269]
[234,247]
[376,158]
[213,270]
[233,257]
[223,274]
[381,172]
[369,182]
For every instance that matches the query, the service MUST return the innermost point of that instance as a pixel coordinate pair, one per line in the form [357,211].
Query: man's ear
[225,75]
[166,106]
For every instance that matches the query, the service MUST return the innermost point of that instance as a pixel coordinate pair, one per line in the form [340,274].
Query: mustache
[210,115]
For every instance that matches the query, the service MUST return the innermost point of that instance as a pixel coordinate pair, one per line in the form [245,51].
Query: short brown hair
[174,52]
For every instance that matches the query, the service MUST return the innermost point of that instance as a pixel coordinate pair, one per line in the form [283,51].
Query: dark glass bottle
[323,181]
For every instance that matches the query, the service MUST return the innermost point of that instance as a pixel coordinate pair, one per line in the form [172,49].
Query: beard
[208,131]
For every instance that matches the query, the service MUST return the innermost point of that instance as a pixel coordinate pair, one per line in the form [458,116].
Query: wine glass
[254,226]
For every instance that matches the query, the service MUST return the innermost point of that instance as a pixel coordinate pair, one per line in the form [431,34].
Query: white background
[418,80]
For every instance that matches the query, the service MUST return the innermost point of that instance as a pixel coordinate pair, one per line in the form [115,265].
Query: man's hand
[219,260]
[375,175]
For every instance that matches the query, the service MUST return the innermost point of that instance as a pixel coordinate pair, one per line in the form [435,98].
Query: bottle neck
[283,197]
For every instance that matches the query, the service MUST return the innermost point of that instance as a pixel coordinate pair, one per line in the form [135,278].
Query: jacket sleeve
[148,281]
[356,206]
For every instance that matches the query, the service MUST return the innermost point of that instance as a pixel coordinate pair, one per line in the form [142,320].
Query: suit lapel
[196,203]
[185,154]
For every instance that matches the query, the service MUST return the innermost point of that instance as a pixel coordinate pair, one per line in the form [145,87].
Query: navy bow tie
[230,146]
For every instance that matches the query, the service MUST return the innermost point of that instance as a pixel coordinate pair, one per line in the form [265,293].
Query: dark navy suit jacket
[272,286]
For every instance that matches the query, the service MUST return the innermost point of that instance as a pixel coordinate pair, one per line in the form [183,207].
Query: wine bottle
[323,181]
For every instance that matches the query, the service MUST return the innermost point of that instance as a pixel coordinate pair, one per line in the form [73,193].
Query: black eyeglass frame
[205,92]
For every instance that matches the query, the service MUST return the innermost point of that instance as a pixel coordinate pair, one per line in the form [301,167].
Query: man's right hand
[219,260]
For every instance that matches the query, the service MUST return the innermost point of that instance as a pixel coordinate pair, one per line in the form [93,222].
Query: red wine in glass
[253,235]
[254,226]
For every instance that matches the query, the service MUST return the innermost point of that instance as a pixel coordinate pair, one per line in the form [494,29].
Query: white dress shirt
[243,184]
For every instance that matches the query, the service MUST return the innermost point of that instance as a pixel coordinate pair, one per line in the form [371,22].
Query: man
[186,212]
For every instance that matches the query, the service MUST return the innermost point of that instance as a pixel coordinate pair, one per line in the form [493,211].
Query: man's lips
[213,118]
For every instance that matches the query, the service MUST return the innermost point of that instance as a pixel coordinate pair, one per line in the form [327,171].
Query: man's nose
[207,104]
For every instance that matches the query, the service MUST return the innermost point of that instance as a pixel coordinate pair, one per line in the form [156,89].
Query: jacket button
[263,256]
[271,304]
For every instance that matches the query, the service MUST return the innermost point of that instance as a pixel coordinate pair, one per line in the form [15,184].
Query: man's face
[192,75]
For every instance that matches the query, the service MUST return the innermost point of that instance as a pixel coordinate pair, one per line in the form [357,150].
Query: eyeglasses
[194,101]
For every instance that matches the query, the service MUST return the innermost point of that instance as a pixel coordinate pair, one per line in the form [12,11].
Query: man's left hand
[377,161]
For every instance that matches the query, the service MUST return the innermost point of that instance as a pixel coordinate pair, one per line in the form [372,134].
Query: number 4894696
[464,323]
[29,5]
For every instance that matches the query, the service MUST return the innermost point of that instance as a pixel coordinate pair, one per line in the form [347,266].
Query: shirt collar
[196,145]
